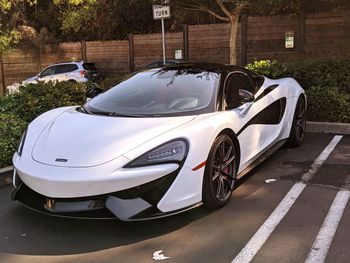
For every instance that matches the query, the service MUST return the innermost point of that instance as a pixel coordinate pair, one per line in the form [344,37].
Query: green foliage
[270,69]
[5,5]
[11,128]
[18,109]
[329,104]
[35,99]
[8,38]
[324,72]
[326,81]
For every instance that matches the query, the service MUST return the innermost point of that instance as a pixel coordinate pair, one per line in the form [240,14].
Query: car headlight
[21,143]
[173,151]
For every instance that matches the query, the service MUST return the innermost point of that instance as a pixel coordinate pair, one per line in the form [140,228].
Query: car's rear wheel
[220,172]
[296,136]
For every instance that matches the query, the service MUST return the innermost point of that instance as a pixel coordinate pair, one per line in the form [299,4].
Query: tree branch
[204,8]
[223,8]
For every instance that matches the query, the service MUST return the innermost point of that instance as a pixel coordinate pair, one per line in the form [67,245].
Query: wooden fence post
[185,41]
[301,34]
[83,50]
[131,53]
[244,39]
[3,82]
[39,58]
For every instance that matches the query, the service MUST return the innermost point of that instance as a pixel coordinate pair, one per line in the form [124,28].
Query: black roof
[215,67]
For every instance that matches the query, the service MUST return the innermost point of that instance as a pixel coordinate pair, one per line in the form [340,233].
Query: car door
[63,72]
[47,74]
[238,85]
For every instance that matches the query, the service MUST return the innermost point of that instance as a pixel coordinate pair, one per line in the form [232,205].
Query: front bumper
[137,203]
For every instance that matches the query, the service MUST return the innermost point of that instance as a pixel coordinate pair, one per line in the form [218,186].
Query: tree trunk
[233,39]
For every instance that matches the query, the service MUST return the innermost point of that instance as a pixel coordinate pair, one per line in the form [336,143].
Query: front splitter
[97,207]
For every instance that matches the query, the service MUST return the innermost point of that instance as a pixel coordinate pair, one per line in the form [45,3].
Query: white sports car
[163,141]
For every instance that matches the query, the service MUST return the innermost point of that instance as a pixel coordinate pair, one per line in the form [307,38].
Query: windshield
[168,92]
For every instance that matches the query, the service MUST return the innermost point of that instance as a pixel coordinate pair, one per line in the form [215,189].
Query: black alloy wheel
[220,172]
[297,132]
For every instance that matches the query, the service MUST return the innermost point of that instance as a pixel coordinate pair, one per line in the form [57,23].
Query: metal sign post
[162,12]
[164,46]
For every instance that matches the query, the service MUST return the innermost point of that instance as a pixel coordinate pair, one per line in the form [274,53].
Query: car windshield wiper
[111,114]
[84,109]
[117,114]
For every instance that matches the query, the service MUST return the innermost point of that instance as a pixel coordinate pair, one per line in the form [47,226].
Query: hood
[81,140]
[30,80]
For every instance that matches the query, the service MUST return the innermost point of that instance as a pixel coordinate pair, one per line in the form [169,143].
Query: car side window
[65,68]
[153,65]
[236,81]
[47,72]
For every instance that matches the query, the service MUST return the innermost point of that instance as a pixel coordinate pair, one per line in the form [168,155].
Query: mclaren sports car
[162,141]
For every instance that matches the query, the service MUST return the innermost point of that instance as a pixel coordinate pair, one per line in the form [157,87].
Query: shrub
[35,99]
[326,81]
[328,104]
[323,72]
[270,69]
[11,128]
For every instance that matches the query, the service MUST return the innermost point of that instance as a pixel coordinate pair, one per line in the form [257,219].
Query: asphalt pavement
[289,220]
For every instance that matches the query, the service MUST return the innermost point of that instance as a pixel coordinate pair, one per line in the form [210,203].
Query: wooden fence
[316,35]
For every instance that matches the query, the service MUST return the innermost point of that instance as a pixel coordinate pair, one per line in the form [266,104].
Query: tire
[220,172]
[297,131]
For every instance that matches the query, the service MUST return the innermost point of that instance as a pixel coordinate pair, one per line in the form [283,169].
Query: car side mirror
[93,92]
[245,96]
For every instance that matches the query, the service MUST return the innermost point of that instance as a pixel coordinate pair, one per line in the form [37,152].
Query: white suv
[70,71]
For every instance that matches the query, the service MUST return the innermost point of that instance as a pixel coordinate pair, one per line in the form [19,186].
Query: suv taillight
[83,73]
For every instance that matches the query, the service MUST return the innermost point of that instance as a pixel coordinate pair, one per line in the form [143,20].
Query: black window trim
[244,72]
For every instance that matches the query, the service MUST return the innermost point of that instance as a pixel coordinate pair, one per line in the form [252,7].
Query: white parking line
[325,236]
[257,241]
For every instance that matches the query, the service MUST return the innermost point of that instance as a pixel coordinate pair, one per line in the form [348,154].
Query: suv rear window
[89,66]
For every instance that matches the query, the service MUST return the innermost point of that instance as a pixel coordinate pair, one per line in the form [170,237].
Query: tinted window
[155,65]
[159,93]
[65,68]
[89,66]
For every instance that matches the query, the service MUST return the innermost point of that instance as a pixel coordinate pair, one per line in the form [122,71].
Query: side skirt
[268,152]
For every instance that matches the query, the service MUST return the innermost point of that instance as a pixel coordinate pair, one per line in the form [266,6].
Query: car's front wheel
[220,172]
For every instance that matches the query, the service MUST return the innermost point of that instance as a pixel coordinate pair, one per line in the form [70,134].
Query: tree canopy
[33,22]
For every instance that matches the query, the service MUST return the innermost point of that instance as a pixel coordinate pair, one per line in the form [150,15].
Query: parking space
[300,231]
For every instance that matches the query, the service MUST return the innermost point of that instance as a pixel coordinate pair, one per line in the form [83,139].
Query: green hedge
[35,99]
[18,109]
[328,104]
[11,129]
[326,82]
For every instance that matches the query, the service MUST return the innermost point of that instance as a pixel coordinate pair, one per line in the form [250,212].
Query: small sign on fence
[289,39]
[178,54]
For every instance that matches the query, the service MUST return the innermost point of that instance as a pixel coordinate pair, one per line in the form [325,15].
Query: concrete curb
[311,126]
[328,127]
[6,176]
